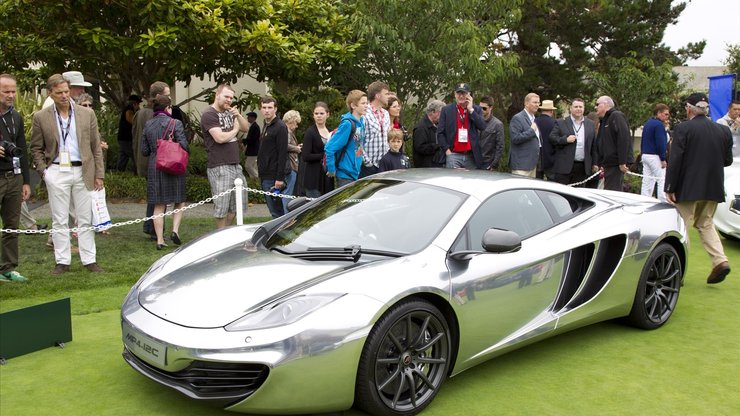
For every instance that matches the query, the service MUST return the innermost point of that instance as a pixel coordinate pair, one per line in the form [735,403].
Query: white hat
[75,78]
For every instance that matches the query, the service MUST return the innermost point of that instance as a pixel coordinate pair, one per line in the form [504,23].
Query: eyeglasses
[86,105]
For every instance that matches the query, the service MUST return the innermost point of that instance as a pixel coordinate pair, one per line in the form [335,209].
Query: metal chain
[121,224]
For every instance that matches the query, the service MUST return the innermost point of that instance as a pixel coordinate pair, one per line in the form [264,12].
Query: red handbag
[171,157]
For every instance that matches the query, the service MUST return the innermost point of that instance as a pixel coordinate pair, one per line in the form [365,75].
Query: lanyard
[463,115]
[65,131]
[12,122]
[578,127]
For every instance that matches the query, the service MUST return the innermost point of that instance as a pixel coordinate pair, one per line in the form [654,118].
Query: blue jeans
[273,205]
[460,160]
[289,188]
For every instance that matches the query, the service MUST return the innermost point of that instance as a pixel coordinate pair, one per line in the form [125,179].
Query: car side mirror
[496,240]
[296,203]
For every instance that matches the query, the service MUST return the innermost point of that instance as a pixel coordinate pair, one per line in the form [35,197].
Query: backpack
[344,149]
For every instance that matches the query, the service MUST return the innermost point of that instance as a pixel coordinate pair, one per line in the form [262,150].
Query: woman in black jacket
[315,180]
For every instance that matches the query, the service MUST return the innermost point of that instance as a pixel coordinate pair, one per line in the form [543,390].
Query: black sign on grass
[35,328]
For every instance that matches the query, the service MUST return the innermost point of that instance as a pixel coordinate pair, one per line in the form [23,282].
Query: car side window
[518,210]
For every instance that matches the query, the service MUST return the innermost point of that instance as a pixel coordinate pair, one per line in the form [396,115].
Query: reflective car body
[727,216]
[308,312]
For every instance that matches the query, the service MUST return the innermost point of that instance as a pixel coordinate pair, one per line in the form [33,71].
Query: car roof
[477,183]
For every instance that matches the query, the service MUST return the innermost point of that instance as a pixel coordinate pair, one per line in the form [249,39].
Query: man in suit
[65,145]
[572,140]
[425,136]
[545,123]
[457,131]
[525,139]
[694,180]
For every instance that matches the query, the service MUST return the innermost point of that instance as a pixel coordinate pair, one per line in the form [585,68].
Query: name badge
[65,164]
[16,166]
[462,135]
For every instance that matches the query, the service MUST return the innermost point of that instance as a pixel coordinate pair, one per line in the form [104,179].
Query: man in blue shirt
[653,148]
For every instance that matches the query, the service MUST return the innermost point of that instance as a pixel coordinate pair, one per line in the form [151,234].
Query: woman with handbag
[167,165]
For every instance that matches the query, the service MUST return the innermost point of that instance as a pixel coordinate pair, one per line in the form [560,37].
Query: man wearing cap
[252,145]
[457,130]
[545,122]
[125,136]
[526,138]
[65,144]
[694,180]
[77,86]
[615,143]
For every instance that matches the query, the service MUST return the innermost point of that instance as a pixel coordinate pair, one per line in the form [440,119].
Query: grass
[688,367]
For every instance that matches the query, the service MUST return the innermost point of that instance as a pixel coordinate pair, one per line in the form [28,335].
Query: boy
[394,159]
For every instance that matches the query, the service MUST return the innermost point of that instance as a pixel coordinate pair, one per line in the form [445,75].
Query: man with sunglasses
[492,137]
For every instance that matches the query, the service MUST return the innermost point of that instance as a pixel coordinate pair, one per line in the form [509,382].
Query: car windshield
[382,215]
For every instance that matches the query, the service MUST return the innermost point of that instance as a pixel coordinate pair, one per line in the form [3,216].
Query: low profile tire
[405,360]
[657,291]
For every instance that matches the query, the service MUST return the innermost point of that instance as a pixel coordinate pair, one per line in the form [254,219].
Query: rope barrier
[210,199]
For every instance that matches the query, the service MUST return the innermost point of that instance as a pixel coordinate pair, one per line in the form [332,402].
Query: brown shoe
[719,273]
[60,269]
[93,267]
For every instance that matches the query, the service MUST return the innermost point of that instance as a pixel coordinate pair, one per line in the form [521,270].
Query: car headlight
[282,313]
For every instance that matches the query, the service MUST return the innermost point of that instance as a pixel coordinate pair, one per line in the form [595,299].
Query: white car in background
[727,217]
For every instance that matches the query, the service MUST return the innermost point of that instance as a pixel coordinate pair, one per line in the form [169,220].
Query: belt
[463,153]
[75,163]
[7,174]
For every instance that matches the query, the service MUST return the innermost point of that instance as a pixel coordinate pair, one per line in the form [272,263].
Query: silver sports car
[375,294]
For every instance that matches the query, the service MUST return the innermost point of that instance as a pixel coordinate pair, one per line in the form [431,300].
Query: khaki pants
[700,214]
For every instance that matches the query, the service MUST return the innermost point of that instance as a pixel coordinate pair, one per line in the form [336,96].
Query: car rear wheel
[405,360]
[657,292]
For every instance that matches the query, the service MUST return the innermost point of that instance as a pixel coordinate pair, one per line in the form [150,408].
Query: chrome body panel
[496,302]
[726,220]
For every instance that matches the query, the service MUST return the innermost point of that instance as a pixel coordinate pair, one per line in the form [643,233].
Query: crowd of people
[68,153]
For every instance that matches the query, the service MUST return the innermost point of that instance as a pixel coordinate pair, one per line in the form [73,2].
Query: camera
[11,150]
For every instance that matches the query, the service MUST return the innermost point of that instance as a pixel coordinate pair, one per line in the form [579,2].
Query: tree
[423,48]
[636,84]
[128,44]
[733,59]
[560,41]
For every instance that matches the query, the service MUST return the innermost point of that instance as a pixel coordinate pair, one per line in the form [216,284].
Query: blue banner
[720,94]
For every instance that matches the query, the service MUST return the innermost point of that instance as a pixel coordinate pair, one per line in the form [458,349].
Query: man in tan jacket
[65,145]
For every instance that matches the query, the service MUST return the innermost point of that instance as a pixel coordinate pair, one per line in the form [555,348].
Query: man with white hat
[545,123]
[77,86]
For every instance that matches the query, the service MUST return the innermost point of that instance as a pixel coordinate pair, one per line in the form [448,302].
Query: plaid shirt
[376,124]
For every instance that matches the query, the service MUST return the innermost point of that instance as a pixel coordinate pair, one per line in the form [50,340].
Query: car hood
[219,288]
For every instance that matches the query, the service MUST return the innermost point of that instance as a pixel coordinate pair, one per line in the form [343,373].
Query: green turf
[688,367]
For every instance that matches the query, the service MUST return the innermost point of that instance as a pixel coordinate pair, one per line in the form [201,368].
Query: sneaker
[13,277]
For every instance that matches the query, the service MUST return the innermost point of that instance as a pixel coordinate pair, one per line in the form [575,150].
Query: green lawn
[688,367]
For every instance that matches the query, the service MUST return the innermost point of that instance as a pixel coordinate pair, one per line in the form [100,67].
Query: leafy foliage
[636,84]
[733,59]
[423,48]
[128,44]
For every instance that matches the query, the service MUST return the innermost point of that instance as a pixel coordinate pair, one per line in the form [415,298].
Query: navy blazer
[525,147]
[565,153]
[447,130]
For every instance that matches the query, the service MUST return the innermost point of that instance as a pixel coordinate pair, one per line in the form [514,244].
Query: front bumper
[308,366]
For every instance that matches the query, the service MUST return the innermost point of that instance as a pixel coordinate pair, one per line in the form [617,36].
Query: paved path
[132,211]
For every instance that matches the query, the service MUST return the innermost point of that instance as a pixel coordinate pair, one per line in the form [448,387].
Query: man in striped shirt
[376,124]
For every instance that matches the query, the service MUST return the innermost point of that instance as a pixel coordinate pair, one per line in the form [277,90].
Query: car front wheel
[405,360]
[657,292]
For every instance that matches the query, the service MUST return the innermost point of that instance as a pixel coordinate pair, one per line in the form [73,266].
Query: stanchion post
[239,214]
